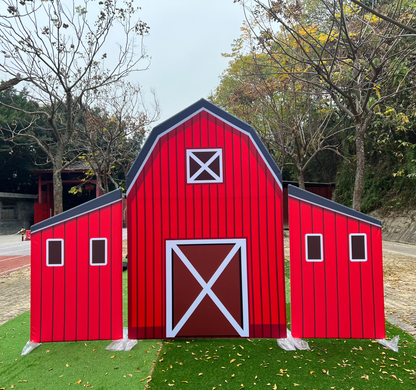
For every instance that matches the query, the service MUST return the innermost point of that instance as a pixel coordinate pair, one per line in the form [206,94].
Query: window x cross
[204,166]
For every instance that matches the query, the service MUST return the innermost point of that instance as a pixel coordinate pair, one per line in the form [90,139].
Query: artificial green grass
[57,365]
[260,363]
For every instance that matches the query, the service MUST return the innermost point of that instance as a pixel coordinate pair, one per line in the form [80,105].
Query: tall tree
[294,119]
[65,52]
[357,58]
[113,132]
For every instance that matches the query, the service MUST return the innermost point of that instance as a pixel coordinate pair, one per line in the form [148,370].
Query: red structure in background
[205,231]
[336,270]
[76,282]
[73,176]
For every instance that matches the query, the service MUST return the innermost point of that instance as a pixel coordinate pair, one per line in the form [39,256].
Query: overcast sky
[186,40]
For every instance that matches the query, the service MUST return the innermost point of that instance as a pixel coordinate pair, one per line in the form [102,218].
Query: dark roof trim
[309,197]
[183,116]
[77,211]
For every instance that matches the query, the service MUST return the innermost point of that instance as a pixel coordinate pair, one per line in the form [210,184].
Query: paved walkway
[14,254]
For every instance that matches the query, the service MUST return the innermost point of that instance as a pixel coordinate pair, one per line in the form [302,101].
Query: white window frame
[306,247]
[62,252]
[365,246]
[239,245]
[106,251]
[204,166]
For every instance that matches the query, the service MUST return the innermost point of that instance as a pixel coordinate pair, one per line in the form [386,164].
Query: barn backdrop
[76,281]
[336,270]
[205,231]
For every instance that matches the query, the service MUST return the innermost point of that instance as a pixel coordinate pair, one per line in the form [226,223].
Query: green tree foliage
[16,159]
[359,60]
[61,50]
[295,120]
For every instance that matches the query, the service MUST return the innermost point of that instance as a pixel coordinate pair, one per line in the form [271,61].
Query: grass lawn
[205,363]
[261,364]
[57,365]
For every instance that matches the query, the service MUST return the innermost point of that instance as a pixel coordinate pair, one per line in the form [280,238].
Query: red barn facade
[336,270]
[205,231]
[76,282]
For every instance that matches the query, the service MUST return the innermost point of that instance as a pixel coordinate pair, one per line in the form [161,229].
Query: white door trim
[172,246]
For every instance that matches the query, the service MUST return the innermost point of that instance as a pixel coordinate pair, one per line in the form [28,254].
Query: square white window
[314,247]
[55,252]
[98,251]
[204,166]
[358,247]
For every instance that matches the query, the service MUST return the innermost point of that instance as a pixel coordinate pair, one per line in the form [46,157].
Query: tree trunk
[359,173]
[301,179]
[57,191]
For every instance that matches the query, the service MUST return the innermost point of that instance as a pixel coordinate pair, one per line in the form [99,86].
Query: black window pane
[215,166]
[54,252]
[314,248]
[357,247]
[194,167]
[204,176]
[98,252]
[204,156]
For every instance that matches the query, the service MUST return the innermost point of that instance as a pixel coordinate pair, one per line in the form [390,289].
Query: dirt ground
[399,291]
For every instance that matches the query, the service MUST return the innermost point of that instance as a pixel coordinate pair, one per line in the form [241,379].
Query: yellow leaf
[184,381]
[67,364]
[112,357]
[86,344]
[275,387]
[201,373]
[78,381]
[311,372]
[232,360]
[232,376]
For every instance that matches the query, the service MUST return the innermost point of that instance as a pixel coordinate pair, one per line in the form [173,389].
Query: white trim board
[172,246]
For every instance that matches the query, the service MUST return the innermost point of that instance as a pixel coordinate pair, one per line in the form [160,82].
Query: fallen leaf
[366,377]
[78,381]
[184,381]
[67,364]
[201,373]
[112,357]
[232,360]
[275,387]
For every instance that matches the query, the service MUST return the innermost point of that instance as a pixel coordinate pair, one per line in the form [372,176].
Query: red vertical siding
[35,287]
[162,206]
[335,298]
[77,301]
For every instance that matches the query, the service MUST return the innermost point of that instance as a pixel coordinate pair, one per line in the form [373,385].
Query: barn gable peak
[183,116]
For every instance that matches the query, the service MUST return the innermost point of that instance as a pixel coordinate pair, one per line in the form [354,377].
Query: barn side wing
[336,270]
[72,297]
